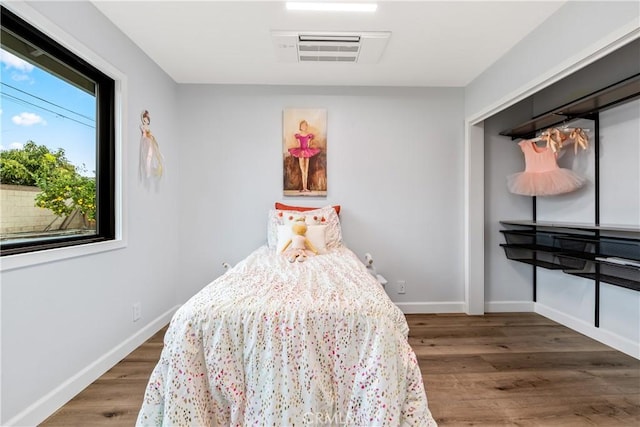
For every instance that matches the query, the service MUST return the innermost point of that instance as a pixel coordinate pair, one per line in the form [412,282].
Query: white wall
[572,299]
[619,161]
[507,284]
[395,164]
[63,322]
[575,35]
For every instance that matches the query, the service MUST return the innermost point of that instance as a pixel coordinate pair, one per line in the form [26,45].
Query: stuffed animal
[296,247]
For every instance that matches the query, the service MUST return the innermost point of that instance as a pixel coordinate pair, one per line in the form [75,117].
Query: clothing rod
[545,133]
[556,138]
[540,138]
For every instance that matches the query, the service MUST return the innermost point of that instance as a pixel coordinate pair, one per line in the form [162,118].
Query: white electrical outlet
[137,311]
[402,286]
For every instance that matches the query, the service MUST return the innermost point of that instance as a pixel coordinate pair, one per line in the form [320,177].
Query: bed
[280,343]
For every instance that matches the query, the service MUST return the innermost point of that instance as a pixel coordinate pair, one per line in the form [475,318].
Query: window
[57,159]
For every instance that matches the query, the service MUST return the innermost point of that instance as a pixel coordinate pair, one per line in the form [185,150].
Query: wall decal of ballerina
[151,160]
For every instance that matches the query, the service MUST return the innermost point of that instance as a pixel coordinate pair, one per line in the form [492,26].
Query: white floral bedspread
[273,343]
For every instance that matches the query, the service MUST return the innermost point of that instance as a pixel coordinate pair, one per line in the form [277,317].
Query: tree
[64,190]
[63,187]
[25,165]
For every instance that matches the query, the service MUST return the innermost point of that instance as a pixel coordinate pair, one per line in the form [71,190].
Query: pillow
[278,217]
[333,234]
[289,217]
[284,207]
[315,234]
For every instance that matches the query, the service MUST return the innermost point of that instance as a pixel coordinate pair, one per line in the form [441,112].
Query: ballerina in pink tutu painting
[305,158]
[304,152]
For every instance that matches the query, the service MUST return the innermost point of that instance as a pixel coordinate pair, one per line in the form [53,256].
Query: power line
[23,101]
[48,102]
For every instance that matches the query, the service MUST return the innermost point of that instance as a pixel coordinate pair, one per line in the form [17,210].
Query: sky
[38,106]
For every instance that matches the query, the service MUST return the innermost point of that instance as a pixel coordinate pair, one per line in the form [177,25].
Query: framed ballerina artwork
[304,151]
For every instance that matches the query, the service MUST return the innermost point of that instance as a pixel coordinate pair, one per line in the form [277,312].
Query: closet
[600,251]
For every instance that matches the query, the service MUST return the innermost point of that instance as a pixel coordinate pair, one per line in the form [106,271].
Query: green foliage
[35,161]
[14,172]
[63,187]
[64,190]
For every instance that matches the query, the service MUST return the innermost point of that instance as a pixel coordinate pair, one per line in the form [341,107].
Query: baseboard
[615,341]
[508,306]
[54,400]
[431,307]
[460,307]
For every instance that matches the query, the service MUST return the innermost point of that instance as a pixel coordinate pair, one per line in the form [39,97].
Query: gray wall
[547,55]
[570,299]
[63,318]
[395,165]
[577,31]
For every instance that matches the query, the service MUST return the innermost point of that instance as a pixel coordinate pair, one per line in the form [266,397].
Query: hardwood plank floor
[521,369]
[115,398]
[503,369]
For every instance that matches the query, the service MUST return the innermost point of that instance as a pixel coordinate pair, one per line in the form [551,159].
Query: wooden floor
[516,369]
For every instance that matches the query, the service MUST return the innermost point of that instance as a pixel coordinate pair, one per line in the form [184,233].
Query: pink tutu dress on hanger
[542,176]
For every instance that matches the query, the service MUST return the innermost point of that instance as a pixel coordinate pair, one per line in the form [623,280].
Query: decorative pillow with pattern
[283,207]
[323,216]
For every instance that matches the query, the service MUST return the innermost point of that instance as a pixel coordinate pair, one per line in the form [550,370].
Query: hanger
[557,137]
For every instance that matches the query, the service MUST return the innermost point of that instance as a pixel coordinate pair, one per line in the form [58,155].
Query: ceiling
[433,43]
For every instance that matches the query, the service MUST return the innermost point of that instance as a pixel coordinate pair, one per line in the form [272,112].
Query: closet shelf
[612,280]
[583,250]
[623,91]
[555,225]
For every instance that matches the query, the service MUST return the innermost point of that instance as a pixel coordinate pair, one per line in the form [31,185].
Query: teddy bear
[296,247]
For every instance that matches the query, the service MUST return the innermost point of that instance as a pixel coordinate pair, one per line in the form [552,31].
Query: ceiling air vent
[363,47]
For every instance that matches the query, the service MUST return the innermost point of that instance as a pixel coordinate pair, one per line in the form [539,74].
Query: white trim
[615,40]
[431,307]
[509,306]
[11,262]
[474,219]
[609,338]
[55,399]
[28,259]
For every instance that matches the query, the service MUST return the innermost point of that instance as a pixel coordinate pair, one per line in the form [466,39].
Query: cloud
[20,77]
[28,119]
[13,146]
[19,69]
[11,61]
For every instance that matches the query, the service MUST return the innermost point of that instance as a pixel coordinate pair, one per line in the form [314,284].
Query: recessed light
[332,6]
